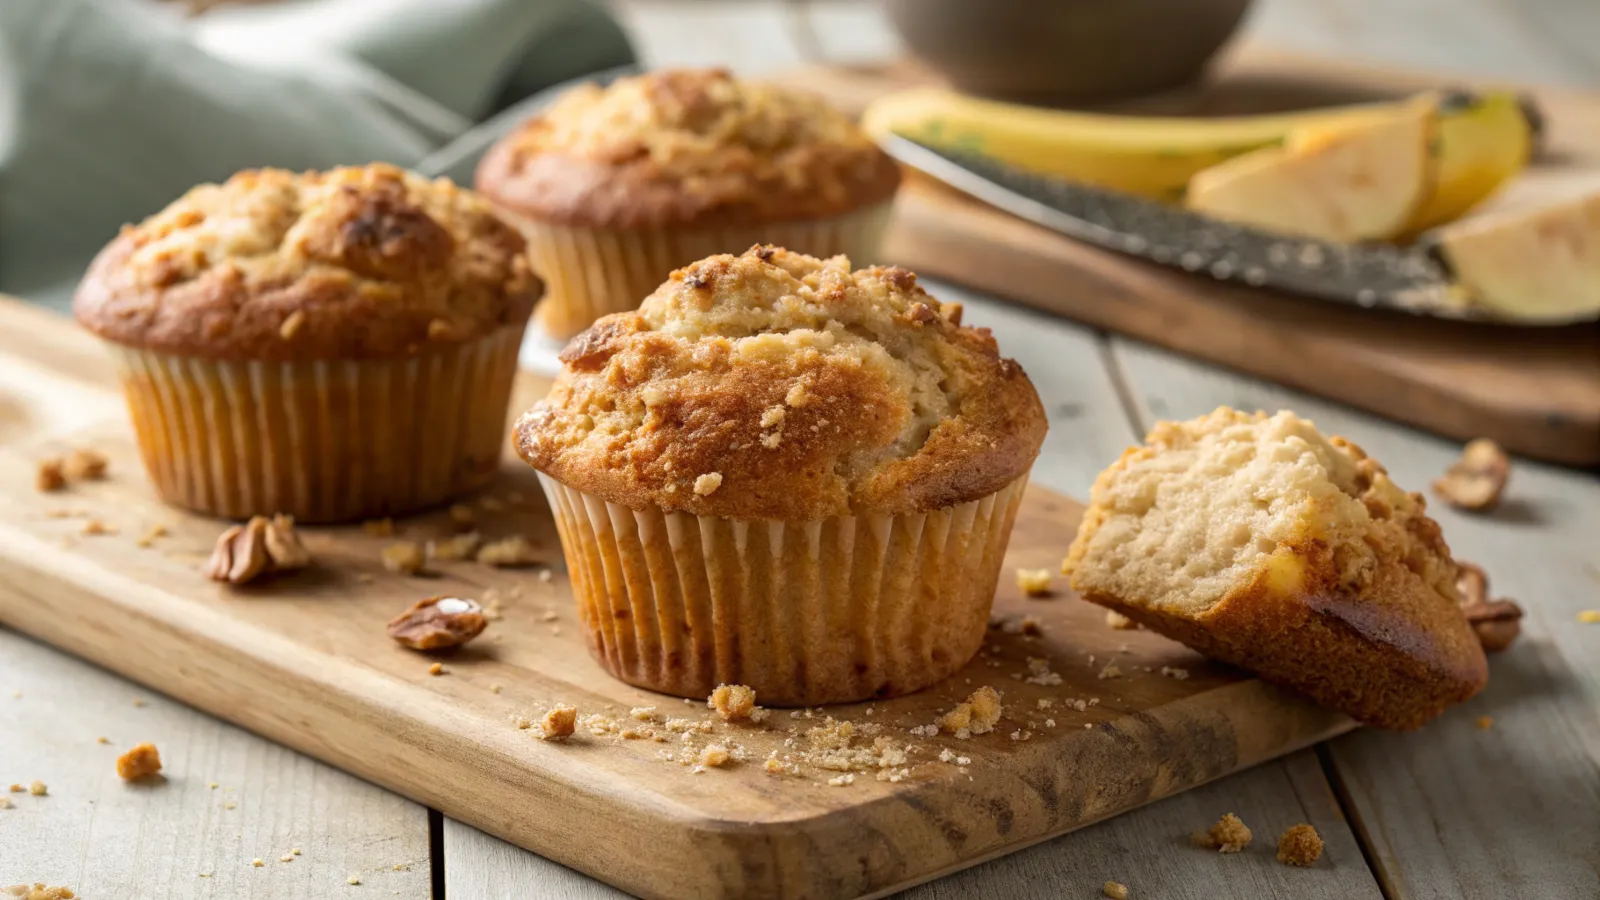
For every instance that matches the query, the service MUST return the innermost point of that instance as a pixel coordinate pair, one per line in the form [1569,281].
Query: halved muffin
[1259,542]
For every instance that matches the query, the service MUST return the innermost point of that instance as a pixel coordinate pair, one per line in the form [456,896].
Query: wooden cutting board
[1535,390]
[305,661]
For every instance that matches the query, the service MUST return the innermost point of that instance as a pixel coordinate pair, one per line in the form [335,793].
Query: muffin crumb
[1119,621]
[148,539]
[978,714]
[436,669]
[378,527]
[462,516]
[97,527]
[1300,846]
[1034,582]
[141,761]
[508,553]
[734,702]
[5,803]
[49,478]
[1228,835]
[462,546]
[708,483]
[559,722]
[1115,890]
[38,788]
[714,755]
[404,557]
[85,465]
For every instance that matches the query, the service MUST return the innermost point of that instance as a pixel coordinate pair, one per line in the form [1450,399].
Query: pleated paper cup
[592,272]
[830,611]
[323,441]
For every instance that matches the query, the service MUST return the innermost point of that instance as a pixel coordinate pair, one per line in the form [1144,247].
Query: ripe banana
[1483,140]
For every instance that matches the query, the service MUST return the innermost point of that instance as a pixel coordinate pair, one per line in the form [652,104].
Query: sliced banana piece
[1359,182]
[1538,263]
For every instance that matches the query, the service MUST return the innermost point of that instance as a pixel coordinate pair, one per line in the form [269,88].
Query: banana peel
[1355,182]
[1482,140]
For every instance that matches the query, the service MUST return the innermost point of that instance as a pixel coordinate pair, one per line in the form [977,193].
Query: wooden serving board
[1535,390]
[305,660]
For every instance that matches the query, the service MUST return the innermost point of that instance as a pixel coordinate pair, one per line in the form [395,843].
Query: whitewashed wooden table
[1454,811]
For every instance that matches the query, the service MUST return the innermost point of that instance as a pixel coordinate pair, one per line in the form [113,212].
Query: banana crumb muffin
[619,185]
[809,475]
[331,345]
[1260,542]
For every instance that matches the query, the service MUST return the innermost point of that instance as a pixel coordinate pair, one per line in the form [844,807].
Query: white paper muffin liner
[830,611]
[323,441]
[592,272]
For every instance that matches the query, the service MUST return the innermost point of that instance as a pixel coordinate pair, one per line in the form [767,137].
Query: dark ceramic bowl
[1079,51]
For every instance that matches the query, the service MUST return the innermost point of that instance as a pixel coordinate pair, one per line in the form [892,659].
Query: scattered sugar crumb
[140,702]
[511,552]
[558,722]
[1034,582]
[353,879]
[295,850]
[148,539]
[495,688]
[287,857]
[451,549]
[229,804]
[1039,673]
[102,740]
[708,483]
[1300,846]
[378,527]
[5,803]
[462,515]
[546,575]
[1485,722]
[844,780]
[404,557]
[1175,673]
[645,714]
[38,788]
[95,526]
[1115,890]
[1110,671]
[257,862]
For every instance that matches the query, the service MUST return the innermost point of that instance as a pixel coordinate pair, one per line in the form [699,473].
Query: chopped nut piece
[732,701]
[1034,582]
[259,547]
[975,715]
[404,557]
[85,465]
[1228,835]
[1300,846]
[1115,890]
[511,552]
[1476,480]
[1119,621]
[436,669]
[37,788]
[437,622]
[1496,622]
[49,478]
[139,762]
[378,527]
[708,483]
[559,722]
[714,755]
[462,546]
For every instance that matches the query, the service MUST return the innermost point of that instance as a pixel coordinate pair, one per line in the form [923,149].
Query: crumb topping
[509,552]
[888,406]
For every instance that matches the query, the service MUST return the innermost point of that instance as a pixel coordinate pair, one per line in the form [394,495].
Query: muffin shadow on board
[785,474]
[1261,543]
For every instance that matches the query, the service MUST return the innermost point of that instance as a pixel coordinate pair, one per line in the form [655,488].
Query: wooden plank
[323,678]
[1457,811]
[480,865]
[227,797]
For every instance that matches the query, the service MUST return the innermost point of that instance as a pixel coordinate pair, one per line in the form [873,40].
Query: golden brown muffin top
[352,263]
[775,385]
[686,147]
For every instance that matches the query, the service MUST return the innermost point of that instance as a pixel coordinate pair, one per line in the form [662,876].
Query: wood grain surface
[306,662]
[1535,390]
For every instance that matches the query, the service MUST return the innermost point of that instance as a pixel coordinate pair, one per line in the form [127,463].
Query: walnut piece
[261,546]
[1496,622]
[438,622]
[1476,480]
[508,552]
[85,465]
[140,762]
[50,478]
[1300,846]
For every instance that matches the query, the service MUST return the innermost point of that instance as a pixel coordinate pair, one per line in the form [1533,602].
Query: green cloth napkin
[110,109]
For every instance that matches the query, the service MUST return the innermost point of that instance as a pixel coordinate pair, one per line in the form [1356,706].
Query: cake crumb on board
[1115,890]
[559,722]
[1300,846]
[1228,835]
[1034,582]
[141,761]
[977,714]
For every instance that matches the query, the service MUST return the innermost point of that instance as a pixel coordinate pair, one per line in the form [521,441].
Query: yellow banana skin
[1481,143]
